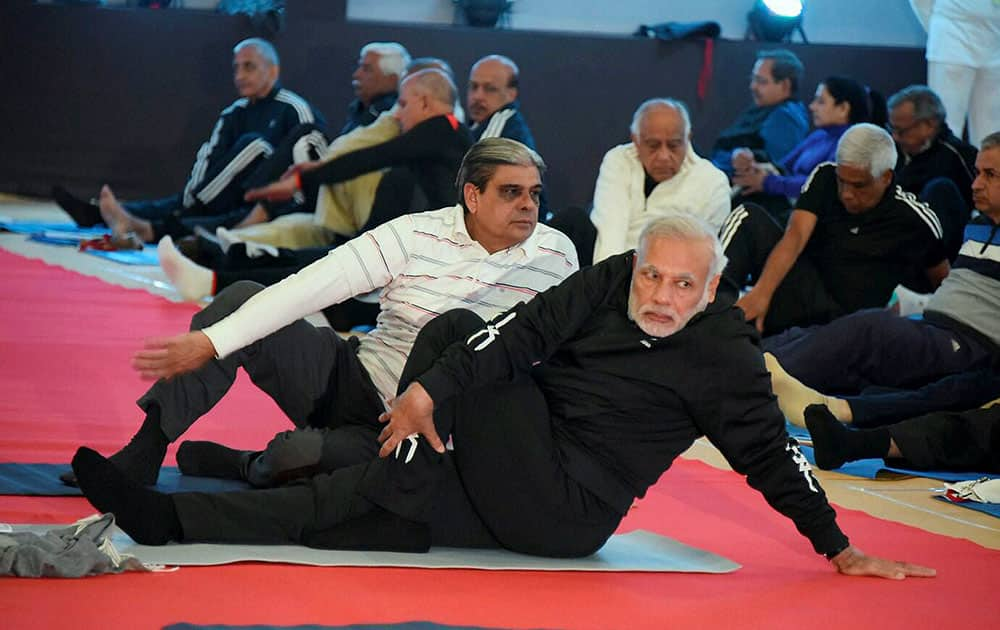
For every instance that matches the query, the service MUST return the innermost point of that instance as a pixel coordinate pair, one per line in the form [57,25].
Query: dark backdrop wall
[126,96]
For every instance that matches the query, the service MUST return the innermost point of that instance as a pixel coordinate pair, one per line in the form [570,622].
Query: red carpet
[65,341]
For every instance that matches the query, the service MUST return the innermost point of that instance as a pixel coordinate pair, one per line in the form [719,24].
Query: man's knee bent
[450,326]
[226,302]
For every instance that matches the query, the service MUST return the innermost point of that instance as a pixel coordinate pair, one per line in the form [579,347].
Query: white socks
[193,281]
[907,302]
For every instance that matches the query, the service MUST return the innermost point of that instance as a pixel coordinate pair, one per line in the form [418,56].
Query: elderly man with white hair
[375,81]
[853,236]
[257,134]
[655,174]
[565,409]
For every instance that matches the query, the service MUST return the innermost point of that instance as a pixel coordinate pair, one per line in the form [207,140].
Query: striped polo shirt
[970,294]
[421,265]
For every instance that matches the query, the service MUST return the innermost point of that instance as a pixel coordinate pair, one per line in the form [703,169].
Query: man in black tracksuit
[562,410]
[933,164]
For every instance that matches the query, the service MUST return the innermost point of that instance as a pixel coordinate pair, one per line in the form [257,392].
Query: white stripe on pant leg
[732,224]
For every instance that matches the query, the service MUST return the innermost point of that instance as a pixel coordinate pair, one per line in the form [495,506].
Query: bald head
[493,84]
[423,95]
[432,82]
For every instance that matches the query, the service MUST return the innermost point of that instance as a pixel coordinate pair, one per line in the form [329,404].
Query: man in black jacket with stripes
[853,236]
[563,411]
[263,131]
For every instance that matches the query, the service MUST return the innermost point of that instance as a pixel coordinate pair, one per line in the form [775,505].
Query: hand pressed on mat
[853,561]
[164,357]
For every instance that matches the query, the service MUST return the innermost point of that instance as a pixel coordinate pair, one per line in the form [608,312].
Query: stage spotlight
[775,20]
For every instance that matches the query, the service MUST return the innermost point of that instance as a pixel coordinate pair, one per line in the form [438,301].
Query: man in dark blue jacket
[492,101]
[266,120]
[775,123]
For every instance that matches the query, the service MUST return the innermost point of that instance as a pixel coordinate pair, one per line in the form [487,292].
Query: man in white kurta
[656,174]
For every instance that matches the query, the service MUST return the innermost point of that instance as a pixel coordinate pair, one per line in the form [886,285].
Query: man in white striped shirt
[853,236]
[486,254]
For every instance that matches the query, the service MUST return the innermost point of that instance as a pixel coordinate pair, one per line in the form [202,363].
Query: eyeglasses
[757,79]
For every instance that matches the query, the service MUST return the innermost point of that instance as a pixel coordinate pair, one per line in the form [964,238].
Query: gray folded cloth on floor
[81,549]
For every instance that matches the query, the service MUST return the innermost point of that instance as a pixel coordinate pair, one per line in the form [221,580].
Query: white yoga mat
[635,551]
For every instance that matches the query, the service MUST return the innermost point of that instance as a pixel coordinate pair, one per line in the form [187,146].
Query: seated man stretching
[422,164]
[948,359]
[343,208]
[266,120]
[484,254]
[853,237]
[563,411]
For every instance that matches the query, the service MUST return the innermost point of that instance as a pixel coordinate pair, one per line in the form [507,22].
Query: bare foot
[119,220]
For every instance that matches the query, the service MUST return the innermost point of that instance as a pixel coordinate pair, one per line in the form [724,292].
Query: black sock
[209,459]
[84,214]
[142,457]
[834,444]
[149,517]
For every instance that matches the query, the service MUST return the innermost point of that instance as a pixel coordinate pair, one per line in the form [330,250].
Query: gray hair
[515,73]
[991,141]
[659,103]
[264,48]
[927,104]
[784,65]
[685,227]
[392,57]
[867,146]
[481,162]
[423,63]
[435,83]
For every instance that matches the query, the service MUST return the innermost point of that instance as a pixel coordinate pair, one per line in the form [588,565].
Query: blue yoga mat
[877,468]
[71,237]
[43,480]
[147,256]
[31,227]
[993,509]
